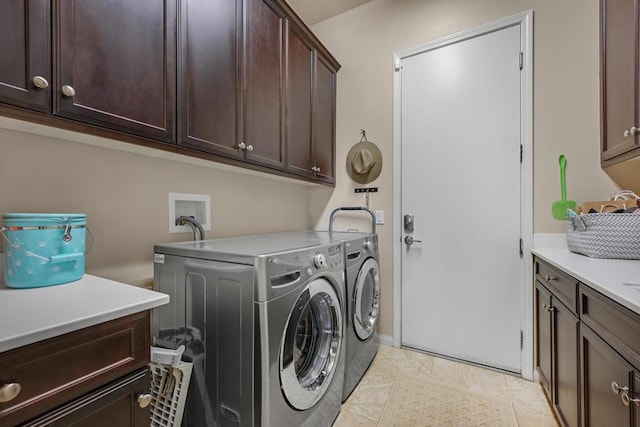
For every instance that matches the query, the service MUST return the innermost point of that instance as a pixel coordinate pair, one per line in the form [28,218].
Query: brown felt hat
[364,162]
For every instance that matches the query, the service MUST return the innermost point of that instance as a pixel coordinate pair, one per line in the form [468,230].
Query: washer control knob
[319,260]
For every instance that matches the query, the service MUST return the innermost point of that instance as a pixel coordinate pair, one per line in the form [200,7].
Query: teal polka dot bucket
[43,249]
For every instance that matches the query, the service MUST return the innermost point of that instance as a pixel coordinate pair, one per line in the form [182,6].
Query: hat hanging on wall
[364,161]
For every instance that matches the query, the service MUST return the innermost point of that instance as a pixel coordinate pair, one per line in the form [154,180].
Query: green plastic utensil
[559,208]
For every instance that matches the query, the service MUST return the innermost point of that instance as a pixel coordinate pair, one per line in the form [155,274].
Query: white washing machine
[262,320]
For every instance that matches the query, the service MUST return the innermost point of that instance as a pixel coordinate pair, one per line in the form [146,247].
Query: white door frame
[525,20]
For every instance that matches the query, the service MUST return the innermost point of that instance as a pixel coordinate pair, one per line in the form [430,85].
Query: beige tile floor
[407,388]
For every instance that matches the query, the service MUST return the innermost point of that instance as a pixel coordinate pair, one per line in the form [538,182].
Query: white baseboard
[385,339]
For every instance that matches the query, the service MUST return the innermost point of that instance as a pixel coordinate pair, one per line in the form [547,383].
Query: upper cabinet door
[618,64]
[264,94]
[325,121]
[208,83]
[25,54]
[300,56]
[116,63]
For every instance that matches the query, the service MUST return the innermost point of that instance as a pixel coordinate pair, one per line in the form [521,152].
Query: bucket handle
[53,259]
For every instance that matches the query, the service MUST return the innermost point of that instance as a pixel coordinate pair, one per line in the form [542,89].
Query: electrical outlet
[379,217]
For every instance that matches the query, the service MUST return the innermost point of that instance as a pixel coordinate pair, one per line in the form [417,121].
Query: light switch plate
[379,217]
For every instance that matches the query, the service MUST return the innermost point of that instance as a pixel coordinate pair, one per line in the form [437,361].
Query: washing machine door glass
[366,299]
[311,345]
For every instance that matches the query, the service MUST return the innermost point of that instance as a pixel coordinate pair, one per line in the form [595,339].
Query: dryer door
[366,299]
[311,345]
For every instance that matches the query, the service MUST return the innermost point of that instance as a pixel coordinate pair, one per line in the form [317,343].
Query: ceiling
[314,11]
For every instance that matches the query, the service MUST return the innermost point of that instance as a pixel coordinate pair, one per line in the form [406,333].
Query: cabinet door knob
[549,278]
[242,146]
[617,388]
[249,147]
[40,82]
[144,400]
[627,134]
[8,392]
[549,308]
[68,91]
[634,130]
[626,399]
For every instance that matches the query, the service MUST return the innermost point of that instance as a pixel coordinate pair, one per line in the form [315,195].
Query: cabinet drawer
[60,369]
[115,403]
[617,325]
[562,286]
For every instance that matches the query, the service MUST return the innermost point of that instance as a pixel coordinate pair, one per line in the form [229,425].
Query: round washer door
[366,299]
[311,345]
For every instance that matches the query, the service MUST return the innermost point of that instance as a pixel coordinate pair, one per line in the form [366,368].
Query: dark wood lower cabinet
[601,368]
[588,359]
[90,367]
[543,337]
[557,354]
[113,405]
[566,378]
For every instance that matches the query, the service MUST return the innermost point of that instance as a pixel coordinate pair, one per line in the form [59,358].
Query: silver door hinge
[521,60]
[521,248]
[397,65]
[521,340]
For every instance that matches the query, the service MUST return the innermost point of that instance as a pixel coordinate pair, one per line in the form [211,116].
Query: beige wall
[125,194]
[566,96]
[125,197]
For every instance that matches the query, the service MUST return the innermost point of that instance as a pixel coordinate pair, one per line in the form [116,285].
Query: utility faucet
[194,224]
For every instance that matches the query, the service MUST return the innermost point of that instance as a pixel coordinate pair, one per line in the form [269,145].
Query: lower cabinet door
[605,375]
[566,372]
[113,405]
[543,337]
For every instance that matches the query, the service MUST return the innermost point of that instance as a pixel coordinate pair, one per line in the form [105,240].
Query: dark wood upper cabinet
[325,120]
[619,85]
[209,76]
[264,83]
[25,54]
[115,64]
[300,63]
[311,91]
[243,82]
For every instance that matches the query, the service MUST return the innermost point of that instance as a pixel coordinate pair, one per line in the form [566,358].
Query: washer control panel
[319,260]
[328,257]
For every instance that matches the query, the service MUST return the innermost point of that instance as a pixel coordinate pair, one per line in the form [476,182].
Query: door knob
[68,91]
[144,400]
[617,388]
[242,146]
[627,400]
[10,391]
[249,147]
[409,240]
[40,82]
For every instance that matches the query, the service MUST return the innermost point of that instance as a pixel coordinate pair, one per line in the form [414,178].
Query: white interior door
[460,137]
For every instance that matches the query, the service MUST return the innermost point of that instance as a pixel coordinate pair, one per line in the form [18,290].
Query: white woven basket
[605,235]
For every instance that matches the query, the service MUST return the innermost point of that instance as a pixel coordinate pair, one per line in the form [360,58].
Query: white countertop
[617,279]
[35,314]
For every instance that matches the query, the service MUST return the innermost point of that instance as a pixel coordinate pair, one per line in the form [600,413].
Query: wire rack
[169,386]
